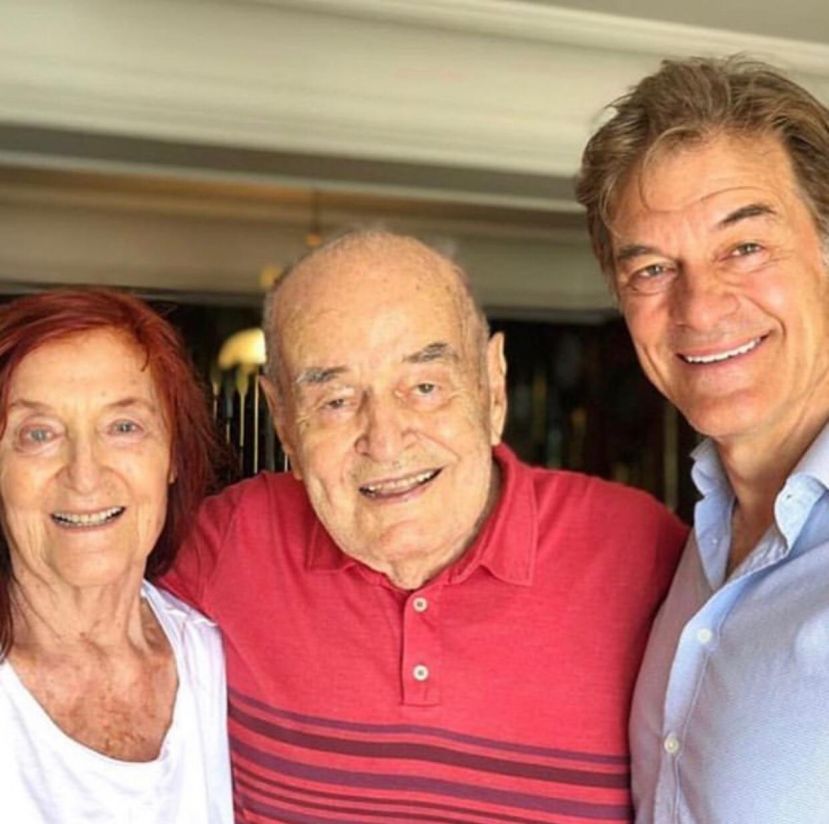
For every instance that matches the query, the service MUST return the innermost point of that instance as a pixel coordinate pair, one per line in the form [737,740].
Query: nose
[702,299]
[385,427]
[83,465]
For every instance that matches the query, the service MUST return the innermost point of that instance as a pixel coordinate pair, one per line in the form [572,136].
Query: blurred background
[190,149]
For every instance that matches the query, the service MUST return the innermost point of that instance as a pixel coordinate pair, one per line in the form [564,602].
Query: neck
[757,468]
[56,617]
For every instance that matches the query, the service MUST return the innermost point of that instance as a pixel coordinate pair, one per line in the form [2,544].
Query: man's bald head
[355,259]
[388,397]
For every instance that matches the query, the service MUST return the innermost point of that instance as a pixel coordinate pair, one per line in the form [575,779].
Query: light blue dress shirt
[730,719]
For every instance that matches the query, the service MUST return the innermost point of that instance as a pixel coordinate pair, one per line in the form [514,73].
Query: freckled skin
[84,463]
[367,309]
[85,645]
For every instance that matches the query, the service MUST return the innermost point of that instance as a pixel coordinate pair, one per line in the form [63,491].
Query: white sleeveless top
[46,777]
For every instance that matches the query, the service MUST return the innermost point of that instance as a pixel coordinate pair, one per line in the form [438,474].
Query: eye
[425,388]
[744,249]
[125,427]
[335,403]
[651,278]
[650,272]
[37,434]
[34,436]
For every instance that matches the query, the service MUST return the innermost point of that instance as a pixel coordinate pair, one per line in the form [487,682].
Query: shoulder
[252,508]
[595,512]
[266,487]
[182,623]
[588,492]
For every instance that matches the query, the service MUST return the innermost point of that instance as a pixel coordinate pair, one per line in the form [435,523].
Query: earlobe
[497,375]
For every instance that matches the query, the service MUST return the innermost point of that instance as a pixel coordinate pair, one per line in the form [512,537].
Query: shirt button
[420,672]
[704,636]
[671,744]
[420,604]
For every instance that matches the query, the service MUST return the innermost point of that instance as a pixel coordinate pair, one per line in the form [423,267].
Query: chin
[726,417]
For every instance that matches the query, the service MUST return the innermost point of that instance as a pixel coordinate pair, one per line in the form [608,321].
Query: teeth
[88,519]
[402,485]
[721,356]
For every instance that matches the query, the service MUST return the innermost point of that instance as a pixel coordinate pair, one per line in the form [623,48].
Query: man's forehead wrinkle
[370,278]
[627,250]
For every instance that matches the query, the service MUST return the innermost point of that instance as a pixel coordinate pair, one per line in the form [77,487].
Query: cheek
[325,465]
[22,487]
[465,419]
[22,516]
[650,333]
[646,324]
[146,479]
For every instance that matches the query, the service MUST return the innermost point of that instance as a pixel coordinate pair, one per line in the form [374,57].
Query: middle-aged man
[708,203]
[418,627]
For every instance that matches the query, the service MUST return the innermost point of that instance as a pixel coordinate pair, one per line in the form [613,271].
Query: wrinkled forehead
[677,176]
[114,353]
[365,303]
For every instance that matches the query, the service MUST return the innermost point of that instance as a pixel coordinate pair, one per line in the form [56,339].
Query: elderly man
[419,627]
[708,203]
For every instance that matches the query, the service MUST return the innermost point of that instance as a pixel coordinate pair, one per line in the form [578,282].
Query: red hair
[33,321]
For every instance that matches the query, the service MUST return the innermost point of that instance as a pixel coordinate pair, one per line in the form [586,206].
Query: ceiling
[151,146]
[798,19]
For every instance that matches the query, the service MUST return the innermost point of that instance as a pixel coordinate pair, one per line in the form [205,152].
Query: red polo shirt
[498,691]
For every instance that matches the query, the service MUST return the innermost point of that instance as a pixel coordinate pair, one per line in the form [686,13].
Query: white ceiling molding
[192,250]
[471,111]
[489,84]
[570,27]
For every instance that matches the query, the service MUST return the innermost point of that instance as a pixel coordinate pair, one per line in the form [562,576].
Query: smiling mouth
[719,357]
[398,486]
[81,520]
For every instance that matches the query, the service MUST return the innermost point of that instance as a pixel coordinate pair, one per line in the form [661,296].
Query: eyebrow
[746,212]
[33,406]
[316,375]
[634,250]
[123,403]
[432,352]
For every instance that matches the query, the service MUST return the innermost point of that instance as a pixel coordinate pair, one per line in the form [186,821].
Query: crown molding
[495,85]
[571,27]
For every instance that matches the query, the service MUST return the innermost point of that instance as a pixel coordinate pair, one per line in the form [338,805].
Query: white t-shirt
[46,777]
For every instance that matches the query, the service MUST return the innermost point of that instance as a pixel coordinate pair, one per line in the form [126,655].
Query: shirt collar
[505,545]
[815,461]
[707,471]
[712,515]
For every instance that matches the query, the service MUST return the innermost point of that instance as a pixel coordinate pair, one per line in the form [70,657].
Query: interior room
[190,150]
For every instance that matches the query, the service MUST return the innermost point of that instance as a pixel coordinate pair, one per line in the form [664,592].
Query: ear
[279,416]
[496,368]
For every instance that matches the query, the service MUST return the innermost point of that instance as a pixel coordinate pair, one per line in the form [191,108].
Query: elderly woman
[112,693]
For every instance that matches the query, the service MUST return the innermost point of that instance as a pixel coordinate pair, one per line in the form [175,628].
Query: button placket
[420,662]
